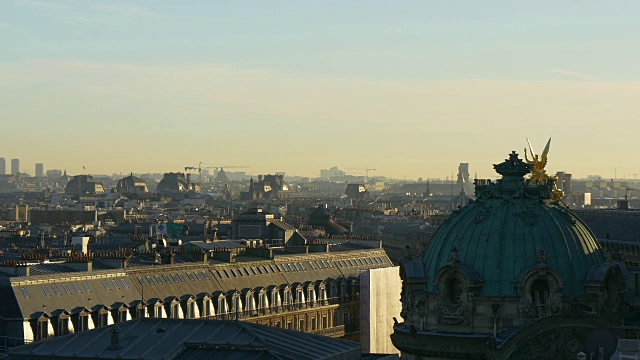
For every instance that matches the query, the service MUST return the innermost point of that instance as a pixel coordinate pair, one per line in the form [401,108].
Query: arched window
[540,292]
[206,309]
[300,298]
[222,306]
[454,290]
[250,304]
[276,300]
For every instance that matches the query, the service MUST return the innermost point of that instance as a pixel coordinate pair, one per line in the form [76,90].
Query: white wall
[379,304]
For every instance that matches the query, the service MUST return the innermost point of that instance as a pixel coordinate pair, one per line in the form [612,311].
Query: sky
[410,88]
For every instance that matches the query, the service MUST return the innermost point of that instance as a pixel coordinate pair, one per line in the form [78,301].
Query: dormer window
[103,318]
[264,302]
[43,328]
[206,310]
[63,326]
[175,311]
[275,300]
[300,298]
[122,315]
[287,300]
[83,322]
[222,306]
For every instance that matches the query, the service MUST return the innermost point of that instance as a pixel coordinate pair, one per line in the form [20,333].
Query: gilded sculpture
[538,170]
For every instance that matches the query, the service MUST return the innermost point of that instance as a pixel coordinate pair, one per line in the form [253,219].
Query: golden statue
[538,172]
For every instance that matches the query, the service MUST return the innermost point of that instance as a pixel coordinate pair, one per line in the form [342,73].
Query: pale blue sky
[409,87]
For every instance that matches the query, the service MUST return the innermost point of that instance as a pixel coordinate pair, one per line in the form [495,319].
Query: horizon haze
[411,89]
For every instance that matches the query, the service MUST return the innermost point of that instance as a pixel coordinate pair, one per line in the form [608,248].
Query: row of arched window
[233,304]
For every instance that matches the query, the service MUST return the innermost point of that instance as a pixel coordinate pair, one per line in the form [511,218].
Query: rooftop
[149,338]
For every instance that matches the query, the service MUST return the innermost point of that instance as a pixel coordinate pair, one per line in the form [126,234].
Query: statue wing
[533,153]
[526,159]
[546,149]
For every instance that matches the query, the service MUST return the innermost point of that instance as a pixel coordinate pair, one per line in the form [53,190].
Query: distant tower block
[463,176]
[564,182]
[15,166]
[3,166]
[39,170]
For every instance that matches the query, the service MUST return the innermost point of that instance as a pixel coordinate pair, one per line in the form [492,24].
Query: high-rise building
[463,182]
[54,173]
[3,166]
[15,166]
[39,170]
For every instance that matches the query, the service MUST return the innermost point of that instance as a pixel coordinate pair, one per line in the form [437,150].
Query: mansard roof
[25,296]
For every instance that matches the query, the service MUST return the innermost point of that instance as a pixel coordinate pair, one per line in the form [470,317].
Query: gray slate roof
[189,339]
[26,296]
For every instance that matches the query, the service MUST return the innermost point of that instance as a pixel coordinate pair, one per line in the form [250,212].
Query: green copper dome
[512,226]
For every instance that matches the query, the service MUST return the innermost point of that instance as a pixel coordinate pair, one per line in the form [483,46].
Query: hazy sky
[411,88]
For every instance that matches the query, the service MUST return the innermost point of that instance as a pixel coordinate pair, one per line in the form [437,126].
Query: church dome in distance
[83,185]
[513,225]
[132,185]
[173,183]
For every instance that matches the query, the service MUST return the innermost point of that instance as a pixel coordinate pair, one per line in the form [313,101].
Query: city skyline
[347,172]
[410,90]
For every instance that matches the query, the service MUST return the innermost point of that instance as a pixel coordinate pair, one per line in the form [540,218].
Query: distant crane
[635,176]
[200,167]
[615,172]
[366,172]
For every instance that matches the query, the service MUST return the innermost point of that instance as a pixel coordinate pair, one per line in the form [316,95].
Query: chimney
[199,256]
[320,247]
[79,263]
[262,252]
[223,254]
[114,261]
[168,258]
[115,340]
[15,268]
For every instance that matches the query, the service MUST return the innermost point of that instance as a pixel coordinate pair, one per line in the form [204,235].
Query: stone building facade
[311,292]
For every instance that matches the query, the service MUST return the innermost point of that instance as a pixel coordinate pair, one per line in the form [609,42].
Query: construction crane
[366,172]
[200,167]
[615,173]
[635,176]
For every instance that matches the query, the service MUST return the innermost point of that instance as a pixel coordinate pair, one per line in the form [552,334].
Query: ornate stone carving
[527,216]
[513,166]
[456,284]
[454,314]
[548,294]
[453,256]
[526,309]
[553,344]
[481,215]
[613,301]
[542,257]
